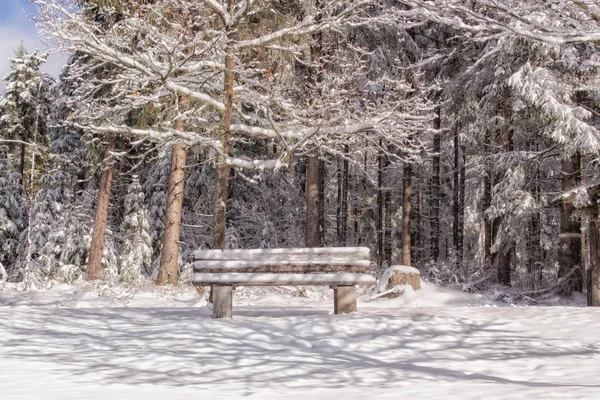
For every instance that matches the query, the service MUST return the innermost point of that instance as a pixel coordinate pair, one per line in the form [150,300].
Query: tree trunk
[487,201]
[314,190]
[22,165]
[380,205]
[461,211]
[313,180]
[29,277]
[345,205]
[593,284]
[363,198]
[356,211]
[322,221]
[535,257]
[455,194]
[435,189]
[94,266]
[338,213]
[569,251]
[406,211]
[387,227]
[168,272]
[221,187]
[342,204]
[420,241]
[501,258]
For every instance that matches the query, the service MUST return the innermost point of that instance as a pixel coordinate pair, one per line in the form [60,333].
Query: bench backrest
[321,259]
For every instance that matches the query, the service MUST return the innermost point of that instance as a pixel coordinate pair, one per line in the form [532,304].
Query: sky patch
[17,27]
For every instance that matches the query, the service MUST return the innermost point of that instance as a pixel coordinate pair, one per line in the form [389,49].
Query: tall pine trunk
[313,183]
[342,204]
[221,187]
[380,205]
[420,241]
[387,210]
[593,274]
[435,188]
[569,251]
[360,226]
[314,189]
[501,258]
[29,277]
[322,221]
[536,257]
[456,200]
[168,272]
[22,165]
[346,207]
[340,189]
[387,227]
[461,211]
[94,266]
[487,202]
[406,214]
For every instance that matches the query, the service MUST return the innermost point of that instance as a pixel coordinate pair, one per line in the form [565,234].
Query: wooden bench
[340,268]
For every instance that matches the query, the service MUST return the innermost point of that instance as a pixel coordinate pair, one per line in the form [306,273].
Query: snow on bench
[318,254]
[245,279]
[279,266]
[341,268]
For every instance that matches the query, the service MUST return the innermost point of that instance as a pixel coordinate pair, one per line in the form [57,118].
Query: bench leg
[222,301]
[344,299]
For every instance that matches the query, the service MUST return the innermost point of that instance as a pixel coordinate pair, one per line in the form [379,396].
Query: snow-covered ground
[108,343]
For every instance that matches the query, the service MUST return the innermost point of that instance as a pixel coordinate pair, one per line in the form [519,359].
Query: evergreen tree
[13,214]
[50,213]
[25,105]
[136,251]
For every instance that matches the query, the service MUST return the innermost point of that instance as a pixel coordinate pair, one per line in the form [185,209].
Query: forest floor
[82,342]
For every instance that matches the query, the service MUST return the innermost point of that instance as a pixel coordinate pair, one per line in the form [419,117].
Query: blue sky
[15,26]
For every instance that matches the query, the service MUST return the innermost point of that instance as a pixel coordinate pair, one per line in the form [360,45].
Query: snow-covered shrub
[110,258]
[51,212]
[3,274]
[155,189]
[136,252]
[13,212]
[78,230]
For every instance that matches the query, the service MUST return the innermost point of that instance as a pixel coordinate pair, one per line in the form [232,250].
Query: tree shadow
[278,348]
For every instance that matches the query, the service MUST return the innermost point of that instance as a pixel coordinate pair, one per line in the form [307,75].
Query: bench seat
[222,266]
[267,279]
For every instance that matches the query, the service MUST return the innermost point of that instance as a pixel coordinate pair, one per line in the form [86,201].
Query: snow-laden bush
[136,253]
[68,273]
[3,273]
[51,212]
[13,212]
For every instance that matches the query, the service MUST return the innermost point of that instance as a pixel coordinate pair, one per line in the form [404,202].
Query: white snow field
[76,343]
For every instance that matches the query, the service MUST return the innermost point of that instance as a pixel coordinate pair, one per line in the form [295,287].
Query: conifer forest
[460,137]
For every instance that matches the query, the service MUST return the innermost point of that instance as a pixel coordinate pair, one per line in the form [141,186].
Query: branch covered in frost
[561,23]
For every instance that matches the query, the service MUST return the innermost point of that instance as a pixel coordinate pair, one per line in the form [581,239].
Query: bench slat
[249,279]
[281,266]
[320,254]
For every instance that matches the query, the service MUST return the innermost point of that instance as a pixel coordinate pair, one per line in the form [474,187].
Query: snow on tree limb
[561,23]
[189,138]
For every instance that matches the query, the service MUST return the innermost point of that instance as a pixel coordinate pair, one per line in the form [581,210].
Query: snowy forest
[458,136]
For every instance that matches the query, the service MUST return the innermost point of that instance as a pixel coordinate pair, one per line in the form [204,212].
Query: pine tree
[50,213]
[25,105]
[136,251]
[13,214]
